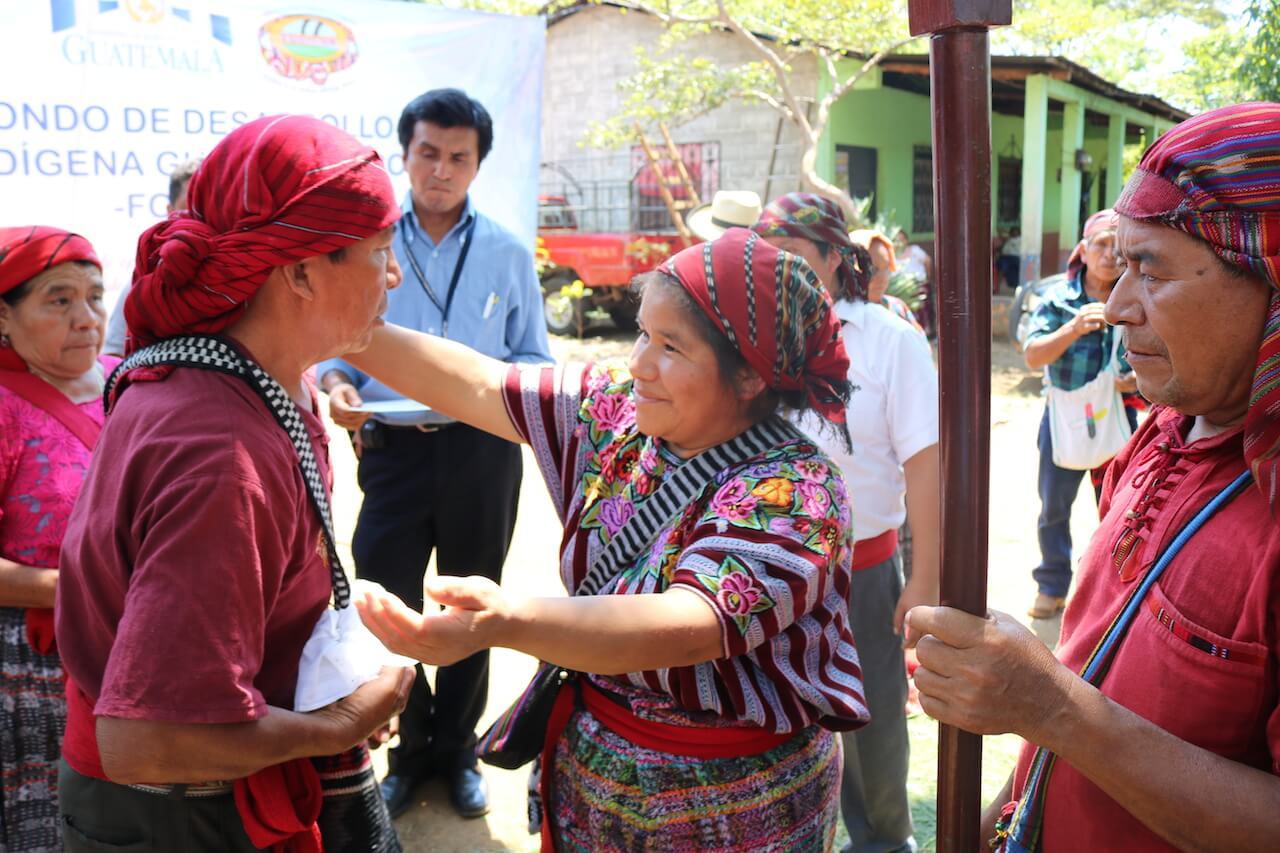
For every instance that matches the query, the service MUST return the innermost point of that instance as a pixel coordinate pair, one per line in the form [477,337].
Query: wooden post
[960,89]
[674,153]
[676,211]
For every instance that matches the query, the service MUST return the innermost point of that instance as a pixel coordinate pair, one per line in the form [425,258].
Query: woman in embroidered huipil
[719,660]
[51,325]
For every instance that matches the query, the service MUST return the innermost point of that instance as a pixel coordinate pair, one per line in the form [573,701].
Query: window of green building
[922,191]
[1009,192]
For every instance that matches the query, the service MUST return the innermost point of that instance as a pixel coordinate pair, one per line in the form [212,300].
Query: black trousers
[455,491]
[98,816]
[103,816]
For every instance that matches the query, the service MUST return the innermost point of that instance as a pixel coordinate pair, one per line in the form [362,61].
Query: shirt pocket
[1198,685]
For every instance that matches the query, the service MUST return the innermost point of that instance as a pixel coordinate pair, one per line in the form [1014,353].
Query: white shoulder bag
[1088,425]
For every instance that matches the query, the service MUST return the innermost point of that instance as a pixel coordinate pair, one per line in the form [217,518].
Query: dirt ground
[531,568]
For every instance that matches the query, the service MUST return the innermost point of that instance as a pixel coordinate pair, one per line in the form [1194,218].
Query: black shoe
[397,791]
[468,792]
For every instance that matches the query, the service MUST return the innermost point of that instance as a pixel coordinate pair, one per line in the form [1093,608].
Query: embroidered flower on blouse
[612,412]
[649,459]
[733,501]
[825,538]
[738,594]
[615,512]
[811,470]
[775,491]
[737,591]
[814,499]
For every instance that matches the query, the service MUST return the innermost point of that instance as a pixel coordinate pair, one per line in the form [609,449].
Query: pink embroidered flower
[649,460]
[814,499]
[597,381]
[786,527]
[734,501]
[738,594]
[615,512]
[612,412]
[811,470]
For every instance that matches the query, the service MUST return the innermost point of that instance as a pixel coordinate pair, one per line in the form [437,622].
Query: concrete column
[1115,160]
[1069,212]
[1035,131]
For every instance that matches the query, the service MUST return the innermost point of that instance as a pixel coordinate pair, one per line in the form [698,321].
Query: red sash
[44,396]
[874,551]
[279,806]
[686,741]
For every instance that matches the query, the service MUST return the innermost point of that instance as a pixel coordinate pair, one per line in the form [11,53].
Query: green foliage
[1212,74]
[674,84]
[1119,40]
[675,90]
[1261,67]
[907,288]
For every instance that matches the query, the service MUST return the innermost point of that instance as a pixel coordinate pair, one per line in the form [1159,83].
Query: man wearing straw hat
[728,209]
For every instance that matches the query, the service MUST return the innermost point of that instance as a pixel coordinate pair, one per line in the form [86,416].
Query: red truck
[605,263]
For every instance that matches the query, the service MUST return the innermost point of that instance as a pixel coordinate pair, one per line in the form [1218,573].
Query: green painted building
[1059,134]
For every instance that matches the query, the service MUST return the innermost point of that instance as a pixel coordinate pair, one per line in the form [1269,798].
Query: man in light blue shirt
[430,483]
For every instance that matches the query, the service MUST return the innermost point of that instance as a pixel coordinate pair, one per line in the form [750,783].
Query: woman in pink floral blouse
[718,660]
[51,378]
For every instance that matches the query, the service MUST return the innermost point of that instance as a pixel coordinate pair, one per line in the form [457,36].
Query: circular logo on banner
[307,48]
[145,11]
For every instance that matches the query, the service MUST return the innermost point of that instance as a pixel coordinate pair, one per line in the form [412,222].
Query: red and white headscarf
[1216,176]
[1099,223]
[772,308]
[29,250]
[273,192]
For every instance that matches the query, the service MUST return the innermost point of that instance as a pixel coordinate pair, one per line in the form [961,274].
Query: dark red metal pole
[960,85]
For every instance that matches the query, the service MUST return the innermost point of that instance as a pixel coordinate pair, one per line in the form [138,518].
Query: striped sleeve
[543,404]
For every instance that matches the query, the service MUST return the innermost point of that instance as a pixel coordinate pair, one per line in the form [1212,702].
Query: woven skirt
[610,795]
[354,818]
[33,715]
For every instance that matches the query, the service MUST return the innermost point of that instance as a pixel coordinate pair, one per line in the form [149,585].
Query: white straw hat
[728,209]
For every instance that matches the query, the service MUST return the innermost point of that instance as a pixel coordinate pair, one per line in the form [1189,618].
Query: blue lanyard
[457,269]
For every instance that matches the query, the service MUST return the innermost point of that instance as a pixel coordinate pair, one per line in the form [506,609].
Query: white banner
[101,99]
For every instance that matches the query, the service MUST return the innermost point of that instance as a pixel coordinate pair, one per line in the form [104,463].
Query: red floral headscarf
[771,307]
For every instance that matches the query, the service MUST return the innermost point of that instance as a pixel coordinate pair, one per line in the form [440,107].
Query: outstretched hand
[987,676]
[472,605]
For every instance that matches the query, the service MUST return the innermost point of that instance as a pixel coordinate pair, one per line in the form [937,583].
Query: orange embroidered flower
[775,490]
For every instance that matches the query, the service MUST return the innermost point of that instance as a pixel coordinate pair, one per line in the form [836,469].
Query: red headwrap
[821,221]
[29,250]
[1103,220]
[273,192]
[1215,177]
[771,307]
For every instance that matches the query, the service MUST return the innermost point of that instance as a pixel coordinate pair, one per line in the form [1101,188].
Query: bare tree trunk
[809,172]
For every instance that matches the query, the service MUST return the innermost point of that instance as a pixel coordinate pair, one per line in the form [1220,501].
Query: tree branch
[838,91]
[771,101]
[774,63]
[671,18]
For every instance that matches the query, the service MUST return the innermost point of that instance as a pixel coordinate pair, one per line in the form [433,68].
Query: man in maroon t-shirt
[197,563]
[1171,740]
